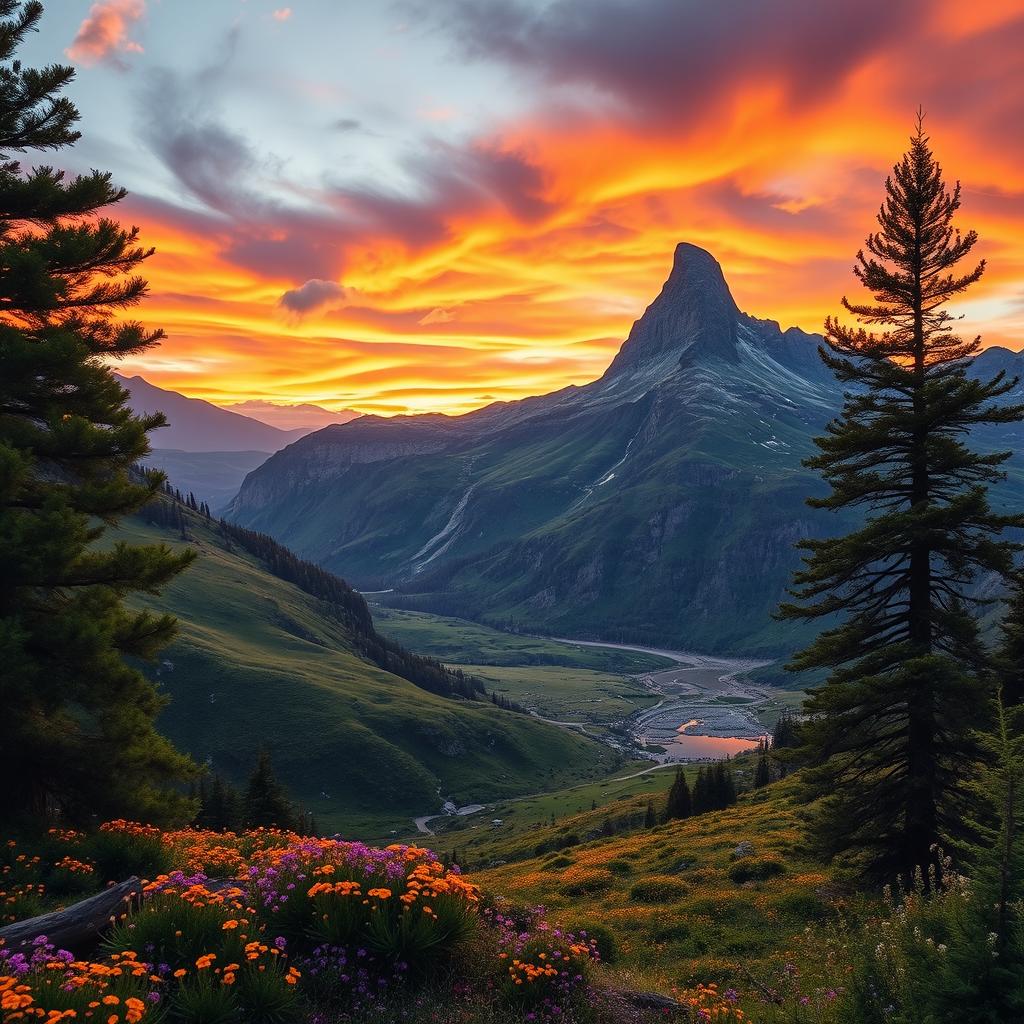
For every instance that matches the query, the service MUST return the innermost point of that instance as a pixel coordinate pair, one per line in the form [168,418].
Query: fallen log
[76,926]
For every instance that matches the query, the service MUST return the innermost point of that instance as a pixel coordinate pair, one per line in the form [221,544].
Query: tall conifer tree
[890,733]
[77,723]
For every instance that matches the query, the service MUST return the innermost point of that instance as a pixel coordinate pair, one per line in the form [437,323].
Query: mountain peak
[694,315]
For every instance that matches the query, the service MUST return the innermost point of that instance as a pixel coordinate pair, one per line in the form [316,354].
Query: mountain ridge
[195,425]
[658,503]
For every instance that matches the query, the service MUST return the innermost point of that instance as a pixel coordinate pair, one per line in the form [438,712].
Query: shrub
[756,869]
[557,863]
[49,982]
[124,848]
[602,939]
[800,906]
[620,867]
[181,919]
[658,889]
[586,881]
[542,970]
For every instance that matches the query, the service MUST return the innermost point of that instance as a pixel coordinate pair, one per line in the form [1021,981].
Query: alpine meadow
[409,618]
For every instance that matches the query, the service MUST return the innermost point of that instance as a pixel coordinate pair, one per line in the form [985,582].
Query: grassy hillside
[682,908]
[258,662]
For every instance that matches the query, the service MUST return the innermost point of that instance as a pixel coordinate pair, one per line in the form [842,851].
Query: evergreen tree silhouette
[890,732]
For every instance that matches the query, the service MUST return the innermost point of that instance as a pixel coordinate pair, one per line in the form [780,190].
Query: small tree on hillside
[266,803]
[77,729]
[679,804]
[762,773]
[890,732]
[650,816]
[220,804]
[701,798]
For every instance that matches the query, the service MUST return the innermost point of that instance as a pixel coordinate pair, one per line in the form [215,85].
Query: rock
[744,849]
[652,1001]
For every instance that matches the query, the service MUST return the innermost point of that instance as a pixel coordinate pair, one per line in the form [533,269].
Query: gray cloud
[667,59]
[314,294]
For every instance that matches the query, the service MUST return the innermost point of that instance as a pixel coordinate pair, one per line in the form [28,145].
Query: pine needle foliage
[77,733]
[890,732]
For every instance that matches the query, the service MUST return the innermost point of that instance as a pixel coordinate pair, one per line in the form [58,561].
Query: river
[708,708]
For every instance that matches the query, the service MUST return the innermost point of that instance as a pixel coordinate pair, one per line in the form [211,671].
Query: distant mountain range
[207,449]
[292,417]
[659,503]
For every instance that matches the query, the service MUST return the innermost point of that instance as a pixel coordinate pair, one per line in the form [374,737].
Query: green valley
[258,662]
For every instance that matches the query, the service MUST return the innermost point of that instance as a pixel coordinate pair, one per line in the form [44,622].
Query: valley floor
[649,704]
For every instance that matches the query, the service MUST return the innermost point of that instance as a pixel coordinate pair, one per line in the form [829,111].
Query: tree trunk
[76,926]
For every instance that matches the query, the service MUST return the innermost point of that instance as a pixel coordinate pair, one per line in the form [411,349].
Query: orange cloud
[103,35]
[551,233]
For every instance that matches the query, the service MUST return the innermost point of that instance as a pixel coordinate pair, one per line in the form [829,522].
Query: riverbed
[709,709]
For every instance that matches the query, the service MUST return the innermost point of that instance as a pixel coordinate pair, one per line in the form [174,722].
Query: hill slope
[683,908]
[658,504]
[260,661]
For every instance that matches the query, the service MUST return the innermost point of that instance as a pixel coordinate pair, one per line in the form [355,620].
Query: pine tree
[266,802]
[702,800]
[679,804]
[1009,661]
[984,968]
[762,773]
[650,817]
[221,808]
[786,733]
[889,734]
[722,787]
[77,729]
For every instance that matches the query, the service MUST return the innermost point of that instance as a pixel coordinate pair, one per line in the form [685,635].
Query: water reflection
[685,746]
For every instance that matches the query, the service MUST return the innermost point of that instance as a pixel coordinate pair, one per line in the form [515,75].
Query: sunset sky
[427,206]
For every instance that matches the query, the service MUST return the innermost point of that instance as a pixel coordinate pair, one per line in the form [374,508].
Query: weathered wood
[75,926]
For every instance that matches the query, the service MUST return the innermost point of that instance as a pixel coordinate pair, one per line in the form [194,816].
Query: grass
[461,641]
[548,817]
[566,694]
[256,663]
[678,907]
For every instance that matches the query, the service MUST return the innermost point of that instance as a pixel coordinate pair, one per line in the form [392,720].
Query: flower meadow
[271,927]
[268,927]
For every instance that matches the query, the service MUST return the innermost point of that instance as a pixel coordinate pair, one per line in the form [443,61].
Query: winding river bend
[707,709]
